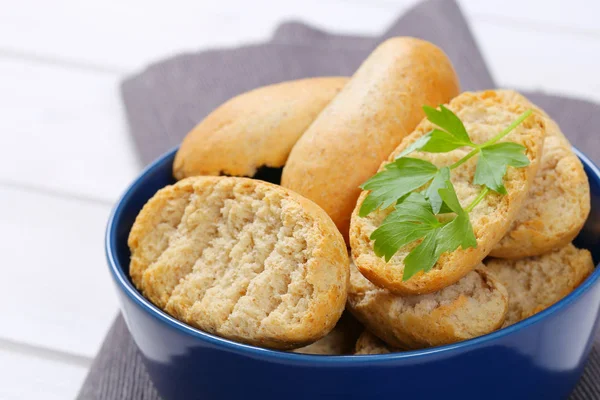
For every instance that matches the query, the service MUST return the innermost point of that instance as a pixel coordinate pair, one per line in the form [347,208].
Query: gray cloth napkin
[578,118]
[167,99]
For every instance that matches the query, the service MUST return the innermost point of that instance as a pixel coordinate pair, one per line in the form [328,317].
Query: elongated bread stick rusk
[377,108]
[254,129]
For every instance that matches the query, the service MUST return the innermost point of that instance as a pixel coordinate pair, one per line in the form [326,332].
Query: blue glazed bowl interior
[159,174]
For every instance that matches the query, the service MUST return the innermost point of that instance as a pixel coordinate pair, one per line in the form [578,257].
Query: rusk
[255,129]
[339,341]
[557,205]
[474,306]
[377,108]
[535,283]
[243,259]
[484,115]
[368,343]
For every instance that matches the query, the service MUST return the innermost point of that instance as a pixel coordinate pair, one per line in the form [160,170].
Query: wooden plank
[574,16]
[55,291]
[128,35]
[63,129]
[528,59]
[68,129]
[28,376]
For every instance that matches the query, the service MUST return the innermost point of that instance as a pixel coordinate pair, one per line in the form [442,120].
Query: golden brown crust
[484,115]
[535,283]
[379,106]
[243,259]
[339,341]
[257,128]
[472,307]
[368,343]
[556,207]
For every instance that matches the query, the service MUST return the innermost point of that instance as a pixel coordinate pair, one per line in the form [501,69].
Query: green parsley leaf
[449,196]
[445,209]
[452,134]
[455,233]
[458,232]
[439,182]
[421,258]
[416,145]
[443,142]
[492,163]
[443,238]
[448,121]
[397,179]
[411,220]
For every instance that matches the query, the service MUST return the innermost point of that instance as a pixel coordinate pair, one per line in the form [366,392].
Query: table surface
[65,153]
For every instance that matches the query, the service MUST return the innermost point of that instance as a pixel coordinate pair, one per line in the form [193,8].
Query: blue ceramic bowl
[541,357]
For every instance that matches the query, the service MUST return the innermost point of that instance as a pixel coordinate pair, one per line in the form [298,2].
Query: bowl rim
[123,283]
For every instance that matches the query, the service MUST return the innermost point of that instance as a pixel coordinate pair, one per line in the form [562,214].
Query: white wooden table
[65,153]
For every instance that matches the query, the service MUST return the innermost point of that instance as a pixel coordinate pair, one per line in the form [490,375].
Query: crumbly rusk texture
[257,128]
[484,115]
[551,126]
[474,306]
[339,341]
[535,283]
[557,205]
[379,106]
[368,343]
[243,259]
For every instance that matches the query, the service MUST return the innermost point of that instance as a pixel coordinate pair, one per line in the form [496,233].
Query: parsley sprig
[426,206]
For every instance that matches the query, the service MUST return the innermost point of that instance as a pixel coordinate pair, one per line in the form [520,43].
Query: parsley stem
[465,158]
[508,129]
[477,199]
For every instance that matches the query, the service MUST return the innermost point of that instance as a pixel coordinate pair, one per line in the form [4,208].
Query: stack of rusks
[290,265]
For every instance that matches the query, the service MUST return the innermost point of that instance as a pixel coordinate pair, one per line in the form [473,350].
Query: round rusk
[474,306]
[557,205]
[339,341]
[535,283]
[484,114]
[243,259]
[255,129]
[368,343]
